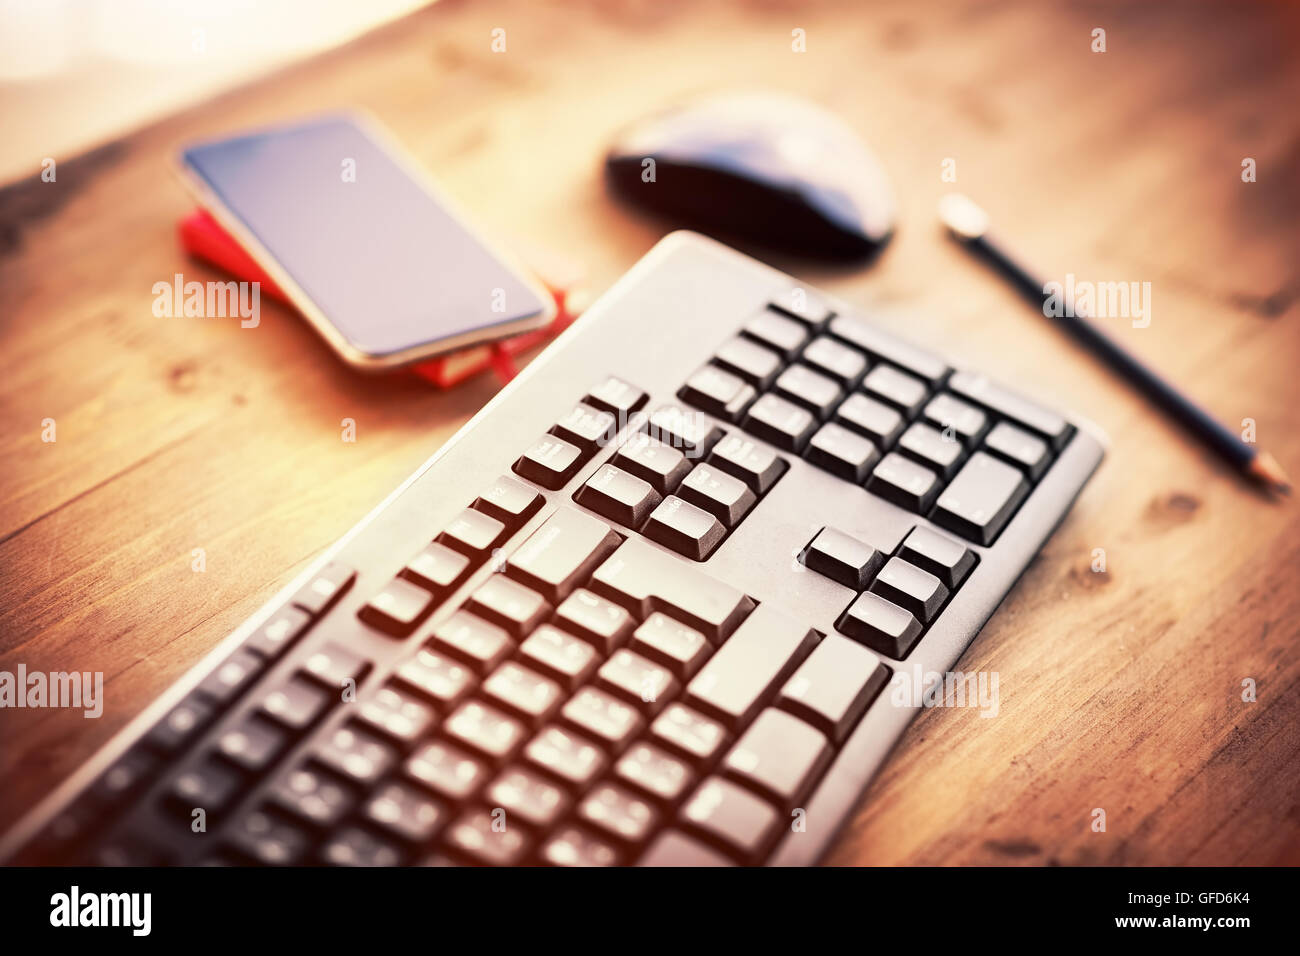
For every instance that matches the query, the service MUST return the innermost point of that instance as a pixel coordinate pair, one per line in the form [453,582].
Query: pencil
[969,224]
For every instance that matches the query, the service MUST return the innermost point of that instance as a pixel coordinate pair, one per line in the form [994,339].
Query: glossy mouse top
[760,167]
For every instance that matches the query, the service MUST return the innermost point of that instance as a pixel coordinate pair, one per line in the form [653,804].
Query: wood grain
[1119,690]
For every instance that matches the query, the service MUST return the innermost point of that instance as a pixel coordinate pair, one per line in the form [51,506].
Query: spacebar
[644,579]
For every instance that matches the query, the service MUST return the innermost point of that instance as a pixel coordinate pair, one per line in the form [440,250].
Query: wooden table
[1120,690]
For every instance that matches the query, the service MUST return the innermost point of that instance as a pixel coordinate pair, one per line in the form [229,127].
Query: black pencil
[969,224]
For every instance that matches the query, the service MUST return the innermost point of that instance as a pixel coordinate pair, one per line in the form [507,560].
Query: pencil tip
[964,219]
[1266,468]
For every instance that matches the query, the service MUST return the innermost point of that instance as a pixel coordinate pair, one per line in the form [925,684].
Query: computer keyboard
[643,609]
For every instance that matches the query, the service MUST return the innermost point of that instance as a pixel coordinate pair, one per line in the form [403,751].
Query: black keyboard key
[405,812]
[561,553]
[447,770]
[651,460]
[675,849]
[904,482]
[587,427]
[882,345]
[181,725]
[353,846]
[803,305]
[642,683]
[954,417]
[744,674]
[619,496]
[603,718]
[522,692]
[754,464]
[508,603]
[397,714]
[677,646]
[814,391]
[550,462]
[842,558]
[979,502]
[437,568]
[356,755]
[510,501]
[474,641]
[833,687]
[655,772]
[882,626]
[485,729]
[473,533]
[754,363]
[733,819]
[784,335]
[569,757]
[560,656]
[125,778]
[478,838]
[977,388]
[398,608]
[595,619]
[928,446]
[688,530]
[687,430]
[842,452]
[870,418]
[314,796]
[903,391]
[325,587]
[444,681]
[911,588]
[209,786]
[618,813]
[1027,452]
[528,796]
[780,757]
[644,579]
[835,359]
[280,631]
[780,422]
[724,496]
[946,559]
[267,841]
[232,677]
[617,396]
[297,705]
[573,846]
[718,392]
[334,666]
[254,745]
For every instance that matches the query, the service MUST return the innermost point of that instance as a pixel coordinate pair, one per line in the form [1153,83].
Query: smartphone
[362,241]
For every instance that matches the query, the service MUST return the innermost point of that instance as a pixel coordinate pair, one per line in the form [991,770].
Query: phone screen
[372,249]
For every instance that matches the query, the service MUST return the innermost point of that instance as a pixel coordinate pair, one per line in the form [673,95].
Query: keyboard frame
[720,287]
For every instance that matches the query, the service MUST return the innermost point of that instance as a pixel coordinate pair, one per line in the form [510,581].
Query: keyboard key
[654,772]
[904,482]
[596,620]
[871,419]
[297,704]
[744,674]
[834,359]
[688,530]
[618,813]
[602,717]
[280,631]
[651,460]
[642,683]
[560,656]
[356,755]
[551,462]
[778,332]
[843,453]
[181,725]
[267,841]
[314,796]
[485,730]
[803,305]
[522,692]
[478,838]
[569,757]
[724,496]
[927,446]
[812,390]
[899,389]
[405,812]
[437,568]
[353,846]
[573,846]
[644,579]
[690,734]
[333,665]
[832,688]
[1026,452]
[718,392]
[325,587]
[617,396]
[441,679]
[880,625]
[232,677]
[254,745]
[980,390]
[126,777]
[397,608]
[508,603]
[447,770]
[754,464]
[881,345]
[733,819]
[561,553]
[981,500]
[400,716]
[618,496]
[967,423]
[510,501]
[842,558]
[587,427]
[780,757]
[757,365]
[473,533]
[780,422]
[675,849]
[943,557]
[208,786]
[525,795]
[684,429]
[473,641]
[680,648]
[912,589]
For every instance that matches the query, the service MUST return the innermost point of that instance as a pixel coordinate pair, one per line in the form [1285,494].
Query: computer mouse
[766,168]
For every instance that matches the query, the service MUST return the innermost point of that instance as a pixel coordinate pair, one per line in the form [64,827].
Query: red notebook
[203,237]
